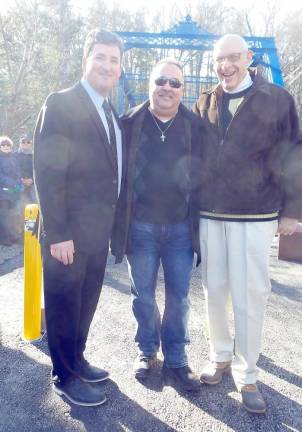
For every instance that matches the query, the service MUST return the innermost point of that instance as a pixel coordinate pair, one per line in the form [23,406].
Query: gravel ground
[28,404]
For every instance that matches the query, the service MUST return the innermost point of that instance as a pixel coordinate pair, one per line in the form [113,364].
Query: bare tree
[38,40]
[41,47]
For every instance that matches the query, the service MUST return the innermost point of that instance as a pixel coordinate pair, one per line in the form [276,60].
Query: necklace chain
[163,136]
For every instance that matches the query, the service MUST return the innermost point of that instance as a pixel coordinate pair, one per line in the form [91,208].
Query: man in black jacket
[162,138]
[25,161]
[251,186]
[24,157]
[78,163]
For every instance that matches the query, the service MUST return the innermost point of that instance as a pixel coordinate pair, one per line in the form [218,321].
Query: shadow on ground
[120,412]
[271,367]
[11,264]
[223,403]
[24,394]
[28,403]
[290,292]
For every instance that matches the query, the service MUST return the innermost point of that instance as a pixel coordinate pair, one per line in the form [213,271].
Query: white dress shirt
[98,100]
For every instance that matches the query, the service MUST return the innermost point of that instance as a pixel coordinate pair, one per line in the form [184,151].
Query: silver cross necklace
[163,136]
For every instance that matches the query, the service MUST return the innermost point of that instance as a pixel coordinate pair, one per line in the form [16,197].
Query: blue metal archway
[191,45]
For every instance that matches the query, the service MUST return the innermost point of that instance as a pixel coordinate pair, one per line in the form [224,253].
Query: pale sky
[133,5]
[165,5]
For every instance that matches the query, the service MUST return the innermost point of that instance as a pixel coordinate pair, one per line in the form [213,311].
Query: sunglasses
[173,82]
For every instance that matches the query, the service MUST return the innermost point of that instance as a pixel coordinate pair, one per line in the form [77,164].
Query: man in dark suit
[78,163]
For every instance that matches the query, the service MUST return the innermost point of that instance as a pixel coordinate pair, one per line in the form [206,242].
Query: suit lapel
[94,115]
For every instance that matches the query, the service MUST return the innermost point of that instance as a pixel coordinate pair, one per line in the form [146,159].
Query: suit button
[114,181]
[113,206]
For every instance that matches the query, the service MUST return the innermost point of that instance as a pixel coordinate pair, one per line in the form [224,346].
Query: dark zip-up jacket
[10,178]
[133,123]
[25,161]
[257,167]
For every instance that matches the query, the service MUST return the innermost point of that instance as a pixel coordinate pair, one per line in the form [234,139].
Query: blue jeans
[172,245]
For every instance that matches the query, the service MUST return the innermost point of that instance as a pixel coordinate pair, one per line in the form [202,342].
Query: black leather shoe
[79,392]
[182,377]
[142,366]
[88,373]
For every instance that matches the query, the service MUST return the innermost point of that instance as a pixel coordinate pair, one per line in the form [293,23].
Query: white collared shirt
[98,100]
[245,83]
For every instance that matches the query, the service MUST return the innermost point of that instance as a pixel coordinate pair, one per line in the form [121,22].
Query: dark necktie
[108,114]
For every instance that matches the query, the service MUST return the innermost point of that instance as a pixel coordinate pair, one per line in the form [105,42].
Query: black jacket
[75,172]
[132,123]
[10,179]
[25,161]
[257,167]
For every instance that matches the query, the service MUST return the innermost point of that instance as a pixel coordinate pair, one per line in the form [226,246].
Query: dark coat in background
[10,178]
[10,188]
[25,161]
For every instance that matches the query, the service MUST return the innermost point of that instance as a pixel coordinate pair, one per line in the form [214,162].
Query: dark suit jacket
[75,172]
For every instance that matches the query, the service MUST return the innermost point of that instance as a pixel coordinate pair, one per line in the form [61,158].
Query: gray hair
[166,61]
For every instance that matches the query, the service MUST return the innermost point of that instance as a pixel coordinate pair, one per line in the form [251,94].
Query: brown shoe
[213,372]
[142,366]
[182,377]
[252,399]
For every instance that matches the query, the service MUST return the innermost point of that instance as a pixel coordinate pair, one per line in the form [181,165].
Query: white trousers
[235,262]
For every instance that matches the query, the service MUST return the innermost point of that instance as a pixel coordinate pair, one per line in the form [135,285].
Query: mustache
[165,92]
[105,72]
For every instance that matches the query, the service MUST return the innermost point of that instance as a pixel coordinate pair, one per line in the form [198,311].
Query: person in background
[25,159]
[251,187]
[10,188]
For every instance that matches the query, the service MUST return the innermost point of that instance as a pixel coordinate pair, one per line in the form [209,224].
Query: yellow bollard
[32,276]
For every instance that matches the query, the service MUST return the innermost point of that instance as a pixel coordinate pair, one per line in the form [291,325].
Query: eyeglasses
[173,82]
[26,142]
[232,58]
[5,145]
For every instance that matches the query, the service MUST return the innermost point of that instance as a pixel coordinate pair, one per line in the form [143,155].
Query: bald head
[230,43]
[231,57]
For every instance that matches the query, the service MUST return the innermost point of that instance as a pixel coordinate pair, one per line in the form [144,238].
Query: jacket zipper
[239,108]
[227,130]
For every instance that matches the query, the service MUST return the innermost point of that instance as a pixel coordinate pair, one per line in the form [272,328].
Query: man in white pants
[251,187]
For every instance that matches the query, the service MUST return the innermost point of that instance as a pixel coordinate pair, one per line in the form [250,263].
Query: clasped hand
[63,251]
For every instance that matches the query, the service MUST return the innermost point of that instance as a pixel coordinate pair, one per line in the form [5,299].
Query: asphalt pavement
[27,402]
